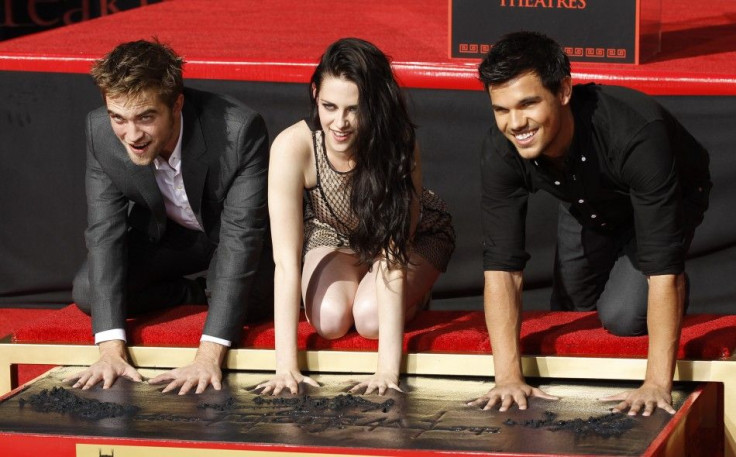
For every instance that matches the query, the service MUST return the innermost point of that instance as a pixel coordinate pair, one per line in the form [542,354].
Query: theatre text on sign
[567,4]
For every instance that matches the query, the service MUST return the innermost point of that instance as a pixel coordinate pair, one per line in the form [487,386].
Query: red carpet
[545,333]
[280,40]
[13,318]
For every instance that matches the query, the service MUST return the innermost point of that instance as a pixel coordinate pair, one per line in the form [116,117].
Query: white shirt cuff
[213,339]
[108,335]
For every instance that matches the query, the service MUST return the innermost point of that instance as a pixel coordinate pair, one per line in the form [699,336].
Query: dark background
[43,210]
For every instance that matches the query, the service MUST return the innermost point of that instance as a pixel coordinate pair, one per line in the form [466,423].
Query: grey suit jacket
[224,167]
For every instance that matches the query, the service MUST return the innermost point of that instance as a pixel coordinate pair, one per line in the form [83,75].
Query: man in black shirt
[632,183]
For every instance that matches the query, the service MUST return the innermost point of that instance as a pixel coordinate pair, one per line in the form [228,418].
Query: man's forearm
[113,348]
[212,352]
[502,304]
[664,315]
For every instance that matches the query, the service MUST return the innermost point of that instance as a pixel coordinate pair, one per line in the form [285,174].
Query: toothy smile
[525,135]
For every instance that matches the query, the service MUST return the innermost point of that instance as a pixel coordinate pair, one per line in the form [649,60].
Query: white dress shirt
[171,184]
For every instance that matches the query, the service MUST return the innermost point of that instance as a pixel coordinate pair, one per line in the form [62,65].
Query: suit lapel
[193,165]
[140,178]
[145,181]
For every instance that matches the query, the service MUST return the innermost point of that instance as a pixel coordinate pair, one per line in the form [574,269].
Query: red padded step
[704,336]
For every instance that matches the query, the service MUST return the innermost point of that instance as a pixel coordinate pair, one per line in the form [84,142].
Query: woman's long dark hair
[381,185]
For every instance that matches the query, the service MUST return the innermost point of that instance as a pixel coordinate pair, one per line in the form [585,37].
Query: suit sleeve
[243,234]
[106,242]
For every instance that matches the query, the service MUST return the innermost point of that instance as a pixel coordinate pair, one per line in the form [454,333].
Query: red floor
[14,318]
[279,40]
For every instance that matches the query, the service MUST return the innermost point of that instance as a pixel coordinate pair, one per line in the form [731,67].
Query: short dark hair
[522,52]
[138,66]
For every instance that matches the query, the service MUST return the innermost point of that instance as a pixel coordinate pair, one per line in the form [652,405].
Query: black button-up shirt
[631,163]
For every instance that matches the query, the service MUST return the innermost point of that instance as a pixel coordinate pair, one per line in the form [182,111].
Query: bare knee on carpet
[331,319]
[420,276]
[330,279]
[365,313]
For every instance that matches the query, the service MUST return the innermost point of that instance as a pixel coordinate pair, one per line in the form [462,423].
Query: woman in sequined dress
[355,236]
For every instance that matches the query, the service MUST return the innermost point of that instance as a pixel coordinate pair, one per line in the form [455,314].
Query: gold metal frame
[438,364]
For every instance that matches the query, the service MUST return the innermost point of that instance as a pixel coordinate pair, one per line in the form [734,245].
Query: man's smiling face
[145,125]
[531,116]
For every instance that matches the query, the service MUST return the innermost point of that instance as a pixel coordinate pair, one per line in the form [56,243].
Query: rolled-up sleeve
[503,211]
[650,170]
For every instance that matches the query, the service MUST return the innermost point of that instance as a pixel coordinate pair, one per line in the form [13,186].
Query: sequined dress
[328,218]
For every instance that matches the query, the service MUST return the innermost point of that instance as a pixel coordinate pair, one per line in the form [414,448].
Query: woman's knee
[331,319]
[365,313]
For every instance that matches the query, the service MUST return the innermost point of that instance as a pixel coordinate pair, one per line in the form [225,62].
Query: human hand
[198,373]
[380,382]
[205,370]
[112,364]
[648,396]
[288,380]
[505,395]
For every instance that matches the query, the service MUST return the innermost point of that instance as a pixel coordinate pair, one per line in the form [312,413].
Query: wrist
[287,368]
[514,377]
[211,352]
[113,348]
[665,384]
[392,374]
[286,361]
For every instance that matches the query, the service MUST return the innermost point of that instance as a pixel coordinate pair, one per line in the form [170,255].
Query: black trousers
[156,273]
[595,271]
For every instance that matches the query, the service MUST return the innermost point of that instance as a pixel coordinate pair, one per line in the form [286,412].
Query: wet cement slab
[430,415]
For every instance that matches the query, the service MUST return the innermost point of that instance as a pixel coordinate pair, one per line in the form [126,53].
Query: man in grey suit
[176,184]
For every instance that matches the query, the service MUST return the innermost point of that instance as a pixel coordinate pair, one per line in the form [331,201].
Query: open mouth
[139,148]
[524,138]
[341,136]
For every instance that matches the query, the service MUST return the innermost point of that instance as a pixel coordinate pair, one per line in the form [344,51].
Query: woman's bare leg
[330,280]
[420,277]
